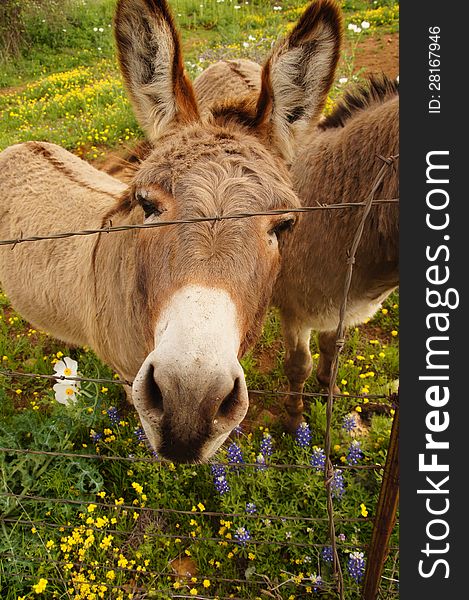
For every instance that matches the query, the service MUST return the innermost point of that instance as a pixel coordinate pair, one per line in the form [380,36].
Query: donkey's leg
[326,342]
[297,366]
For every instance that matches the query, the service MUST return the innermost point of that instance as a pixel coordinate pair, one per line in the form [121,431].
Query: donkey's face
[207,285]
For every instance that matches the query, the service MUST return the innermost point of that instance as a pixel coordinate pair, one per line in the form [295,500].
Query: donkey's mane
[378,89]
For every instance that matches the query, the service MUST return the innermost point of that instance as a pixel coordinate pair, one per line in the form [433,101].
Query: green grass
[65,88]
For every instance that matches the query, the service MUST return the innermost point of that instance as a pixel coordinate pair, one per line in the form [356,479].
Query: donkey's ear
[149,52]
[298,75]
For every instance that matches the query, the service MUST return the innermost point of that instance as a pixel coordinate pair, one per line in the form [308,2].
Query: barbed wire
[175,511]
[155,460]
[242,215]
[329,470]
[124,382]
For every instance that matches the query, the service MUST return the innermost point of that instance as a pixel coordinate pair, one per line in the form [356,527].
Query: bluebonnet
[327,555]
[113,415]
[349,423]
[337,484]
[219,479]
[95,437]
[140,434]
[356,566]
[267,445]
[260,461]
[355,453]
[234,454]
[303,435]
[242,535]
[251,508]
[318,459]
[316,582]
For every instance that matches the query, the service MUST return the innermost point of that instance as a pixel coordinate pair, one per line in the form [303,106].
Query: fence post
[385,517]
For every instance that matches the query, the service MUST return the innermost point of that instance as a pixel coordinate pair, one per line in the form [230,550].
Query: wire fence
[381,580]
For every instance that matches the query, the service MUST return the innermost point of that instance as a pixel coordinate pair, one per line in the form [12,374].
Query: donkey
[174,307]
[339,166]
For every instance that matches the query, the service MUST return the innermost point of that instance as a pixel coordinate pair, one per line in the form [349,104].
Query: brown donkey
[173,307]
[339,166]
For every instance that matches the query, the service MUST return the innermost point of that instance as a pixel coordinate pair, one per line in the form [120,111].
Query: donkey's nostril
[153,394]
[230,402]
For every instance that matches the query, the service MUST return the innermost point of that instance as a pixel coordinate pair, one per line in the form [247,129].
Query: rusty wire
[124,382]
[340,340]
[149,459]
[245,215]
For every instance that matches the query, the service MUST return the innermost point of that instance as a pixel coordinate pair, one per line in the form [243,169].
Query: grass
[106,528]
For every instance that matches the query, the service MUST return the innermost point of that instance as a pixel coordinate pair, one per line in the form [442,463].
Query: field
[93,514]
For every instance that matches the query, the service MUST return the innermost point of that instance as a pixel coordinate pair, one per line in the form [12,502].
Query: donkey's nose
[188,412]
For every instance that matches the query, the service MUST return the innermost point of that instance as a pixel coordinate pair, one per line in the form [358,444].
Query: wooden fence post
[385,517]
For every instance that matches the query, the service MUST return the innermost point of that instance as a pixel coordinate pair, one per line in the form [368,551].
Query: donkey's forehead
[195,148]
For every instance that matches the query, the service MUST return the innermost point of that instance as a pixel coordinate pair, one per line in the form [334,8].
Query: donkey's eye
[149,207]
[284,225]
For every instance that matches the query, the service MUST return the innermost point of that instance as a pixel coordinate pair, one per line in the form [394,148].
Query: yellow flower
[394,333]
[200,506]
[358,409]
[193,592]
[40,586]
[91,507]
[110,575]
[384,311]
[206,583]
[106,542]
[251,556]
[137,487]
[363,510]
[50,544]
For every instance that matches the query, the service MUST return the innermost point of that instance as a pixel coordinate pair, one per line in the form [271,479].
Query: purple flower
[251,508]
[140,434]
[303,435]
[337,484]
[113,415]
[327,555]
[242,535]
[356,566]
[267,445]
[355,453]
[234,454]
[219,479]
[260,461]
[95,437]
[349,423]
[318,459]
[316,582]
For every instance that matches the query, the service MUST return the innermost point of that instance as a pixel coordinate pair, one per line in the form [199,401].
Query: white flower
[101,29]
[65,392]
[365,24]
[66,367]
[237,7]
[95,29]
[354,28]
[245,44]
[277,8]
[251,38]
[343,80]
